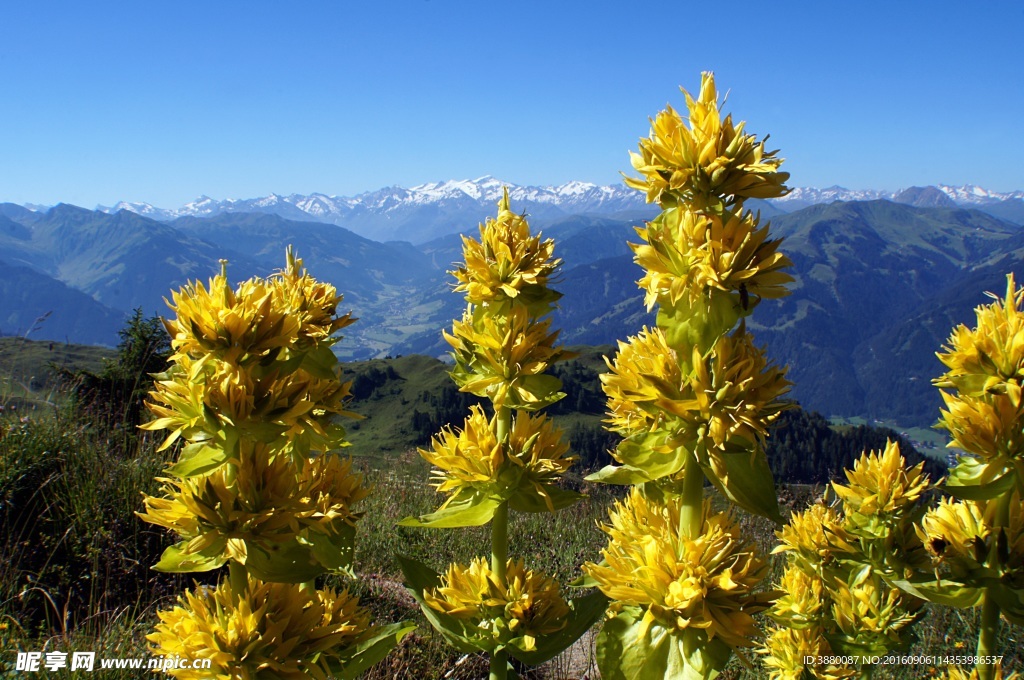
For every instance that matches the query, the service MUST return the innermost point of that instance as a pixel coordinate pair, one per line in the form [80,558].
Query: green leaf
[585,613]
[197,459]
[972,479]
[373,649]
[334,552]
[544,390]
[467,508]
[748,484]
[645,456]
[624,475]
[623,654]
[288,563]
[321,362]
[464,636]
[175,560]
[948,593]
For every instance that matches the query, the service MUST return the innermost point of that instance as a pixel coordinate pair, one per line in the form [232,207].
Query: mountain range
[879,283]
[425,212]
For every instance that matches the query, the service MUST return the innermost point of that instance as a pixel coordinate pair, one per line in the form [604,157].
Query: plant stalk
[987,635]
[499,541]
[692,508]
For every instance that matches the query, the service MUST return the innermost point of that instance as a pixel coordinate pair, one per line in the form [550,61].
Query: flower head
[810,536]
[880,486]
[989,359]
[264,501]
[706,162]
[526,606]
[705,582]
[710,401]
[990,426]
[503,357]
[691,255]
[869,612]
[314,304]
[958,673]
[787,649]
[507,263]
[970,541]
[530,462]
[272,628]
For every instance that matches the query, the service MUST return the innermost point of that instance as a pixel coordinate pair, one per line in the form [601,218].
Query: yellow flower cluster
[871,614]
[704,582]
[970,541]
[690,254]
[787,649]
[517,611]
[881,489]
[706,402]
[984,415]
[705,160]
[507,263]
[503,357]
[269,630]
[260,317]
[263,501]
[196,398]
[532,459]
[810,537]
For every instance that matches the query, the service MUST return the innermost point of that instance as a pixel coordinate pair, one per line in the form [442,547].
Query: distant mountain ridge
[428,211]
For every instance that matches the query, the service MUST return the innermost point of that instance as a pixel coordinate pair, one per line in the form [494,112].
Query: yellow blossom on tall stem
[252,392]
[502,347]
[693,399]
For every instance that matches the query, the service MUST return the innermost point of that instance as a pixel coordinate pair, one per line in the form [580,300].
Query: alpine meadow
[705,425]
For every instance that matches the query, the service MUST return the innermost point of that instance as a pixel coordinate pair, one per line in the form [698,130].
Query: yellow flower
[236,326]
[692,255]
[503,357]
[262,501]
[730,395]
[957,673]
[869,612]
[313,303]
[811,536]
[881,486]
[705,582]
[962,536]
[803,600]
[531,462]
[989,359]
[708,162]
[787,648]
[204,399]
[991,427]
[274,629]
[507,263]
[526,606]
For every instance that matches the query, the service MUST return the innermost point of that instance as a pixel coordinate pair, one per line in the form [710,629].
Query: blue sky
[163,101]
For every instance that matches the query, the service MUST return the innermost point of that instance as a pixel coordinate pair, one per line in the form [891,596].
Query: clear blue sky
[163,101]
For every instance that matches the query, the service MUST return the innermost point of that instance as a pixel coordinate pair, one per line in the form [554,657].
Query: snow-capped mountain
[966,195]
[427,211]
[417,214]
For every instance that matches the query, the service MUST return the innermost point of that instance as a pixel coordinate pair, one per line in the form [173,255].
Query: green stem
[692,508]
[239,578]
[499,543]
[987,635]
[989,628]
